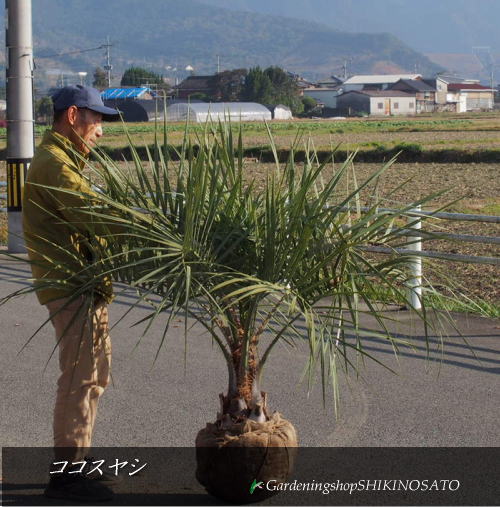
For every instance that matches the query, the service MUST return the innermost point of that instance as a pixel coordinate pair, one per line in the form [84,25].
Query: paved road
[452,402]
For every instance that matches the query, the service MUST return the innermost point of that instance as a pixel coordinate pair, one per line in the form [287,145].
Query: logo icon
[255,485]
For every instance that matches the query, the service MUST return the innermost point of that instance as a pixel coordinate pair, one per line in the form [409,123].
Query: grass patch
[460,303]
[481,208]
[464,305]
[340,127]
[491,209]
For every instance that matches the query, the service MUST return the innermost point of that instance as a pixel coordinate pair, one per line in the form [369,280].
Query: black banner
[320,476]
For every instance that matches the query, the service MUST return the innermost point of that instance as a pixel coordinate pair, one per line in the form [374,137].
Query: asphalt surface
[450,400]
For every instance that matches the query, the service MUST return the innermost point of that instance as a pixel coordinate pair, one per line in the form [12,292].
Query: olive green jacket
[62,245]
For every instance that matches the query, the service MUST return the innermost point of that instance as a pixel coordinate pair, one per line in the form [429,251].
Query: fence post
[415,282]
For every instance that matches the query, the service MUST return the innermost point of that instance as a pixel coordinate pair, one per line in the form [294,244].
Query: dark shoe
[99,474]
[78,488]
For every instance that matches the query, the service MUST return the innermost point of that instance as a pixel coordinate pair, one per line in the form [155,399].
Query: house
[471,96]
[440,84]
[425,93]
[332,82]
[325,92]
[192,85]
[325,96]
[375,82]
[377,103]
[301,83]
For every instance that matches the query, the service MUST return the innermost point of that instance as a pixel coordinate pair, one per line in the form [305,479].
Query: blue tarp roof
[125,93]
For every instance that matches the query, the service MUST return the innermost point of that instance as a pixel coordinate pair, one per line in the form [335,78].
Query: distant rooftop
[125,93]
[417,85]
[322,89]
[467,86]
[382,93]
[330,82]
[197,82]
[379,78]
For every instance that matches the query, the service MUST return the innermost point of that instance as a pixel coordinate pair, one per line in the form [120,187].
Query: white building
[375,81]
[201,112]
[377,103]
[470,97]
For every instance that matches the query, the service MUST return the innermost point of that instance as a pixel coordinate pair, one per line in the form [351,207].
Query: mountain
[431,26]
[460,35]
[159,34]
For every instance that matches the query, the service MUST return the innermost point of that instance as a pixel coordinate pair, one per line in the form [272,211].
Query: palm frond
[197,235]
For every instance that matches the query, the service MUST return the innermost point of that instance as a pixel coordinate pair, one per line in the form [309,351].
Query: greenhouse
[136,110]
[235,111]
[280,112]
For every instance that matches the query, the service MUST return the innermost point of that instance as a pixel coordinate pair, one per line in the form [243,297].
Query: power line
[102,46]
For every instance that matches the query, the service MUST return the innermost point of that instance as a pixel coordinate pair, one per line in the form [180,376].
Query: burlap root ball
[228,461]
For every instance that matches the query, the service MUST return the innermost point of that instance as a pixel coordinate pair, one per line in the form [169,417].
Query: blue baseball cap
[84,97]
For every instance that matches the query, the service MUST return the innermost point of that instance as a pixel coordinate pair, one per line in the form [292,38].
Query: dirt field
[475,186]
[469,131]
[436,139]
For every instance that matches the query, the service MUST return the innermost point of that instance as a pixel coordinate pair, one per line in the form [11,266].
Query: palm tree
[249,264]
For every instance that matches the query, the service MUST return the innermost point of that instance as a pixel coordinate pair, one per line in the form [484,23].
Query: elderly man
[59,244]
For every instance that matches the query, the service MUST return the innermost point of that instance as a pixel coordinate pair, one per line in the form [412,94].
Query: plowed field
[471,188]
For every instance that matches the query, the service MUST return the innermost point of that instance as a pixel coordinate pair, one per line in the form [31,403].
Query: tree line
[270,86]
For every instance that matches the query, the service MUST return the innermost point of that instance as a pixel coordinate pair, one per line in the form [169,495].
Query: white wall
[462,107]
[395,106]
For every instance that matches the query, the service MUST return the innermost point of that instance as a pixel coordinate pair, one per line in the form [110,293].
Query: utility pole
[218,64]
[345,67]
[108,67]
[20,139]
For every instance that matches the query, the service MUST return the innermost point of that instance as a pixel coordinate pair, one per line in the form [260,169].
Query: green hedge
[406,152]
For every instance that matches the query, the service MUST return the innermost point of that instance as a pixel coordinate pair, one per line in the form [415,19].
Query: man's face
[87,129]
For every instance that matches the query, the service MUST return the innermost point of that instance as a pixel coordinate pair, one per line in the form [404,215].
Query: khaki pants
[84,360]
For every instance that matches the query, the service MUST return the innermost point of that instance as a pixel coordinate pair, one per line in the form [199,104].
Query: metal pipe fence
[414,232]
